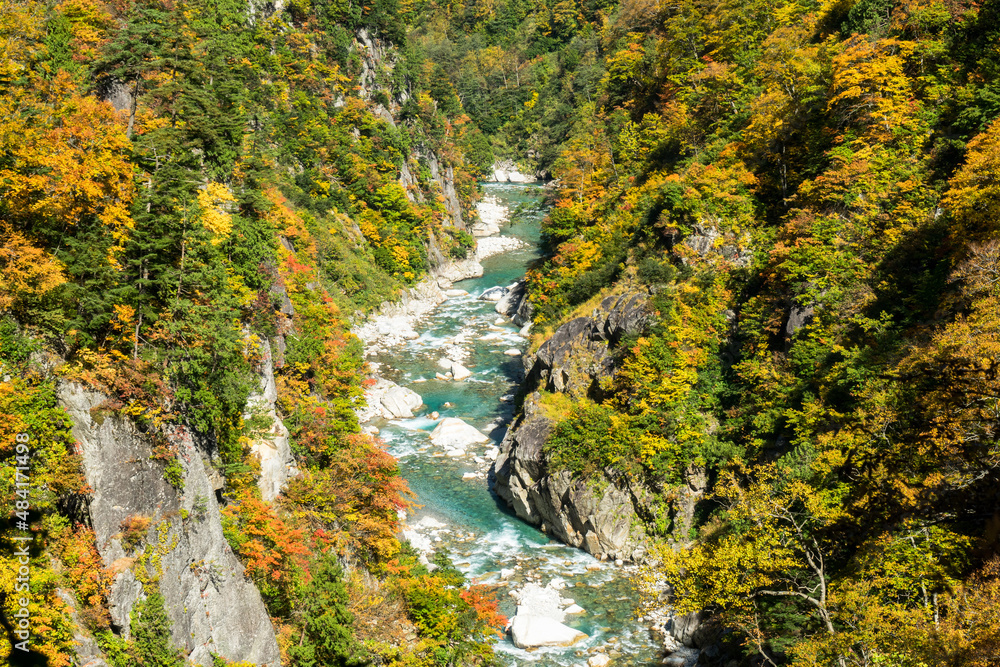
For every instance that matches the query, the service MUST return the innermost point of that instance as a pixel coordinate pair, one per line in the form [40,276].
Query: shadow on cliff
[18,658]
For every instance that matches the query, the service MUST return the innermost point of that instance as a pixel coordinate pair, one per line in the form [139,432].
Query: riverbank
[593,603]
[393,323]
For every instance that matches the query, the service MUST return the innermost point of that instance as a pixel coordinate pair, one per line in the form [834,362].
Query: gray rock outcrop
[603,518]
[387,400]
[514,305]
[707,242]
[452,272]
[453,433]
[494,294]
[272,448]
[211,605]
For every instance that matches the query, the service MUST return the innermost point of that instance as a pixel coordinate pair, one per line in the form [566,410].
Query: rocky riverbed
[448,364]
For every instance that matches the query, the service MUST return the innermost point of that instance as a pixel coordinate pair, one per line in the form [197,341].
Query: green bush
[590,439]
[463,243]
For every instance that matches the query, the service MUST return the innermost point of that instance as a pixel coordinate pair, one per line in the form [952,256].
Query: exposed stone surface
[495,245]
[599,660]
[460,372]
[603,518]
[453,433]
[492,213]
[392,324]
[387,400]
[536,631]
[494,294]
[271,448]
[576,357]
[685,637]
[88,653]
[706,241]
[539,618]
[400,402]
[212,607]
[482,228]
[505,171]
[514,305]
[462,269]
[798,317]
[684,628]
[378,60]
[682,657]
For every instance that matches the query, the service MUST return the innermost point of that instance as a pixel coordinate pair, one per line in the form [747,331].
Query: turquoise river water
[463,515]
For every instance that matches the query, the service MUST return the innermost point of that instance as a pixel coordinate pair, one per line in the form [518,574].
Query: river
[457,509]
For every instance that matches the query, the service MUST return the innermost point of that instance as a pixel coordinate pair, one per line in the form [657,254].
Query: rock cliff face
[378,60]
[212,607]
[514,304]
[604,517]
[272,448]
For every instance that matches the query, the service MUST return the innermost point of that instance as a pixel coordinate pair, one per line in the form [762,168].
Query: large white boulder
[494,294]
[453,433]
[535,600]
[535,631]
[400,402]
[538,622]
[460,372]
[505,171]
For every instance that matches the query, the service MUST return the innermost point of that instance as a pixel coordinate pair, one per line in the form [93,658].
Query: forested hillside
[805,195]
[808,193]
[195,196]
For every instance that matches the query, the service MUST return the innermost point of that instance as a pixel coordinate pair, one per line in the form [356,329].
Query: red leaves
[482,599]
[273,551]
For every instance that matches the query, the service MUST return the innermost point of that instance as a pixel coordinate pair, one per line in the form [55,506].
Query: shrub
[133,531]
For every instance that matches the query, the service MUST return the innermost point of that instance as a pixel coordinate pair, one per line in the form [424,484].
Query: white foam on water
[416,424]
[400,449]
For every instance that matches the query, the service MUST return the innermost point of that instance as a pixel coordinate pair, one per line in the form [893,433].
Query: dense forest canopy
[181,183]
[808,190]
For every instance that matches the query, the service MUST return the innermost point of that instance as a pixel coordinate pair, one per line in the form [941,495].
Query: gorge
[457,511]
[301,366]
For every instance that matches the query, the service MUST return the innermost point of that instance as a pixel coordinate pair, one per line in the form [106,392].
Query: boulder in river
[460,372]
[514,305]
[400,402]
[535,631]
[494,294]
[453,433]
[599,660]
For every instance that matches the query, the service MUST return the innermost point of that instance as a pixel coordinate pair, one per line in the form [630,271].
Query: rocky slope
[212,607]
[605,518]
[182,553]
